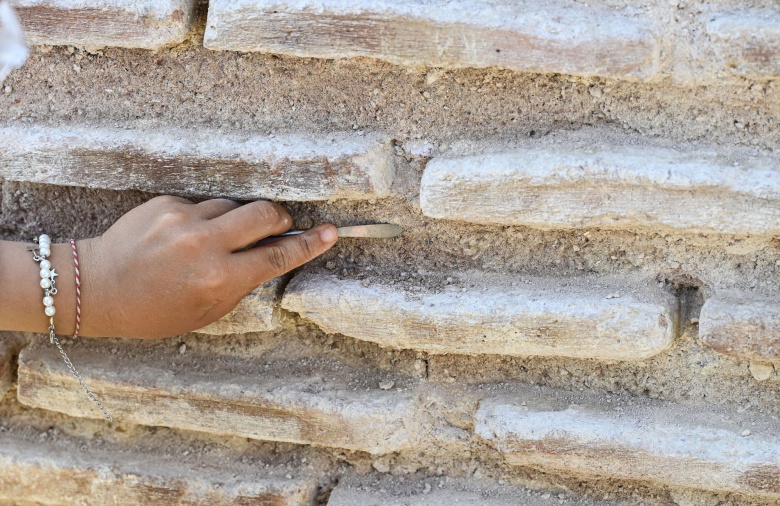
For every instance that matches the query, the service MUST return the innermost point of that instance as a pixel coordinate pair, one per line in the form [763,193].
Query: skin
[165,268]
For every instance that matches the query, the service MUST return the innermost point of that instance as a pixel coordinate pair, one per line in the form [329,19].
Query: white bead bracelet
[49,285]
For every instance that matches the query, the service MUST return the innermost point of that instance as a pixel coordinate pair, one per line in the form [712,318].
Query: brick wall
[583,308]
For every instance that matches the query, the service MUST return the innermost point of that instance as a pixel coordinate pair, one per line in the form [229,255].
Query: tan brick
[666,444]
[742,325]
[747,42]
[608,187]
[148,24]
[200,162]
[274,402]
[257,312]
[67,471]
[6,354]
[565,39]
[493,316]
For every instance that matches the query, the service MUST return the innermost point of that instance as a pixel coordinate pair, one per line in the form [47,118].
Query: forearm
[21,296]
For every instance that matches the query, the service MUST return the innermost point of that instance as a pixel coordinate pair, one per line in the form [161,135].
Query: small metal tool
[375,231]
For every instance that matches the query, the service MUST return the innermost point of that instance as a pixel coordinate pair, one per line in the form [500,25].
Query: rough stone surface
[147,24]
[603,319]
[274,405]
[747,42]
[743,325]
[200,163]
[257,312]
[6,374]
[550,38]
[703,450]
[607,187]
[51,468]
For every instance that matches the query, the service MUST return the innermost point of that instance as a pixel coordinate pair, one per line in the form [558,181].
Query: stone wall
[583,308]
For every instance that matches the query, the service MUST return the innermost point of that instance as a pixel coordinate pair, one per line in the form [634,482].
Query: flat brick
[148,24]
[564,39]
[65,470]
[670,445]
[543,317]
[607,187]
[747,42]
[200,162]
[250,399]
[257,312]
[742,325]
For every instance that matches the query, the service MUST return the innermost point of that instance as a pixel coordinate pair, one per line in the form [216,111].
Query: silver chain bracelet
[48,283]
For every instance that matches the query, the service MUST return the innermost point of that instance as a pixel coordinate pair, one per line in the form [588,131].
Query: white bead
[45,264]
[44,238]
[45,273]
[45,283]
[44,252]
[50,311]
[48,301]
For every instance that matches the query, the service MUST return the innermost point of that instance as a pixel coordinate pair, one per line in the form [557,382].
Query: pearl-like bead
[50,311]
[44,252]
[45,283]
[48,301]
[44,238]
[45,264]
[45,273]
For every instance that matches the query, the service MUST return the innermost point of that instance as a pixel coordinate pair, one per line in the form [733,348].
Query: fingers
[260,264]
[250,223]
[210,209]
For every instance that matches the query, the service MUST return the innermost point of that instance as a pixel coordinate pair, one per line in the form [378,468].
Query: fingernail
[329,234]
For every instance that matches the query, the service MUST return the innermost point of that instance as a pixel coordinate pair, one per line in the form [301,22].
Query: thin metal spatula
[374,231]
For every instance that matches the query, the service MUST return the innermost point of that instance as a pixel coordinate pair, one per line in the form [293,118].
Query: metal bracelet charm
[49,285]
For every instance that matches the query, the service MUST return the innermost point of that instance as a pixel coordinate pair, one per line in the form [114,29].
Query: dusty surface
[427,111]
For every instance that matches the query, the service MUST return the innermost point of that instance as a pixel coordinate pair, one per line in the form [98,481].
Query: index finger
[250,223]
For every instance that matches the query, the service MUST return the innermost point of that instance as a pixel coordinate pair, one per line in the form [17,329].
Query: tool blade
[378,231]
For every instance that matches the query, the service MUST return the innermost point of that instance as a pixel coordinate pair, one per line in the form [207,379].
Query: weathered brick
[608,187]
[251,399]
[742,325]
[580,318]
[546,38]
[200,162]
[257,312]
[68,470]
[671,445]
[747,43]
[148,24]
[6,354]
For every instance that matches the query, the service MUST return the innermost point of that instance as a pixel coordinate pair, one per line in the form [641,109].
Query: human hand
[170,266]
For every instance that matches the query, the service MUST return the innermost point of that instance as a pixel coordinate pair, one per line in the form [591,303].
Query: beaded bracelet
[49,285]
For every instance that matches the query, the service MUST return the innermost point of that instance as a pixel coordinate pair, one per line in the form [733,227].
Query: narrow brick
[546,38]
[742,325]
[257,312]
[670,445]
[578,319]
[6,354]
[200,162]
[66,470]
[148,24]
[608,187]
[275,401]
[747,42]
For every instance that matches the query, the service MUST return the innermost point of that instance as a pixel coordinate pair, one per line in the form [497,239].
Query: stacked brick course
[583,307]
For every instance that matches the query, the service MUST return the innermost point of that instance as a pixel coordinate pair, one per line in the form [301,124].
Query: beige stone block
[273,402]
[608,187]
[64,471]
[257,312]
[147,24]
[742,325]
[6,376]
[545,37]
[746,42]
[666,444]
[487,314]
[200,162]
